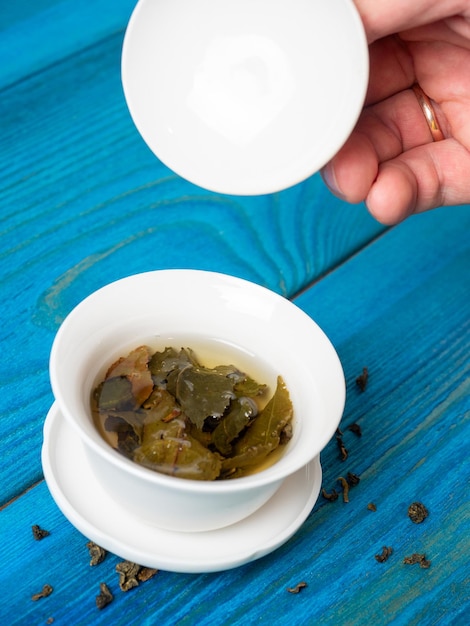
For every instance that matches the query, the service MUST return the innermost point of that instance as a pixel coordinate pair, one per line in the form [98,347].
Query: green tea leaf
[115,394]
[161,405]
[170,451]
[249,387]
[203,392]
[250,456]
[134,367]
[264,434]
[232,424]
[166,365]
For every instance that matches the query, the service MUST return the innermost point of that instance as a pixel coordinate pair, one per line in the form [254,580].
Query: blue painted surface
[83,202]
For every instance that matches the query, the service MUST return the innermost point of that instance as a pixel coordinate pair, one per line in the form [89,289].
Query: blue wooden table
[83,202]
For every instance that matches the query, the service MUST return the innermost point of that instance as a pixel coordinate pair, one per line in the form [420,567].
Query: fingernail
[329,178]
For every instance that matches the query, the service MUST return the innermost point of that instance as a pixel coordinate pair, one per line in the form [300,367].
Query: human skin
[390,161]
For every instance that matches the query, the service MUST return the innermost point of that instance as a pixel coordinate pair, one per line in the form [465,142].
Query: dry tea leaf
[356,429]
[371,506]
[146,573]
[345,485]
[105,596]
[330,496]
[343,453]
[39,533]
[386,552]
[97,553]
[131,574]
[127,575]
[46,591]
[353,479]
[417,512]
[298,587]
[361,380]
[417,558]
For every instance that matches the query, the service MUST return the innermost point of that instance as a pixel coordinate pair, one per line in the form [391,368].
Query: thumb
[386,17]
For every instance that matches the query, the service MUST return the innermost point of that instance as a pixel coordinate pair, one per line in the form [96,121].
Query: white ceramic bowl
[245,96]
[266,333]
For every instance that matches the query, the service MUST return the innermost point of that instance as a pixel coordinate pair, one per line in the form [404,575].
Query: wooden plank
[34,35]
[401,307]
[84,202]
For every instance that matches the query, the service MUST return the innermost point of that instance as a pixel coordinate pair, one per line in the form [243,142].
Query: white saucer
[95,514]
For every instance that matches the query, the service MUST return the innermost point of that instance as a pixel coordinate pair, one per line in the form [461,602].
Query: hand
[391,160]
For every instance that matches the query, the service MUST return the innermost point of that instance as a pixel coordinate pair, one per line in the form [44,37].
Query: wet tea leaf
[203,392]
[271,421]
[115,394]
[264,435]
[135,369]
[171,414]
[230,426]
[249,387]
[168,449]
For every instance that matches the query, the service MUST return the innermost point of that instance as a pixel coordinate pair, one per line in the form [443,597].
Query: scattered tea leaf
[146,573]
[383,556]
[131,574]
[39,533]
[97,553]
[343,452]
[353,479]
[127,575]
[356,429]
[417,512]
[417,558]
[105,596]
[345,486]
[298,587]
[371,506]
[330,496]
[361,380]
[45,591]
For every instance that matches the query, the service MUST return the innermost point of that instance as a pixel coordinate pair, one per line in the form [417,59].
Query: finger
[391,69]
[424,178]
[383,132]
[382,17]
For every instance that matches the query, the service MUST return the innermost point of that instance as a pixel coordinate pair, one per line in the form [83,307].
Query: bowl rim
[274,473]
[300,166]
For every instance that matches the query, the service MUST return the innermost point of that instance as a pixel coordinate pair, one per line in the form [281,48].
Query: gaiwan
[168,412]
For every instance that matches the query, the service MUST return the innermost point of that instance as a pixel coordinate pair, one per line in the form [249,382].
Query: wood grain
[83,202]
[409,325]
